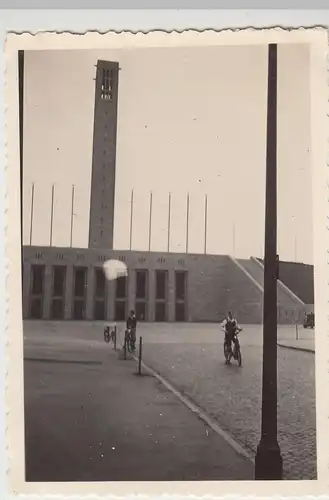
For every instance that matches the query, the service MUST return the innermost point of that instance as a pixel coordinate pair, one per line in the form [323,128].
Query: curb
[294,348]
[200,414]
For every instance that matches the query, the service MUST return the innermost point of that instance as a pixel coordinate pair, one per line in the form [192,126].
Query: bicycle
[110,334]
[234,353]
[129,340]
[107,335]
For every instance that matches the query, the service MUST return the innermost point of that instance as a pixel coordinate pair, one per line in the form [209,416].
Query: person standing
[131,325]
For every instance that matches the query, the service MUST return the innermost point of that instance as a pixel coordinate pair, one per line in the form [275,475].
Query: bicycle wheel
[239,357]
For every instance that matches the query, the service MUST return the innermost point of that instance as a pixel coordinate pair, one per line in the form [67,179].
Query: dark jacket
[230,326]
[131,322]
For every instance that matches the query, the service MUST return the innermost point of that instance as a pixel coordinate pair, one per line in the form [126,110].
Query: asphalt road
[190,357]
[89,417]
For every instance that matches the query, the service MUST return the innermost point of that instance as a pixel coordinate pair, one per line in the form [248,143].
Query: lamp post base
[268,462]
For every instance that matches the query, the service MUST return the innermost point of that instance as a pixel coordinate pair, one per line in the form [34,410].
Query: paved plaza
[79,394]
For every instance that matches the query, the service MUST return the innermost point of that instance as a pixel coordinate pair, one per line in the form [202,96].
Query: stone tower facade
[102,193]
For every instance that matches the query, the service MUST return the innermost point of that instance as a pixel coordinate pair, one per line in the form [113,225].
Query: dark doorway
[141,284]
[57,309]
[160,311]
[161,295]
[120,310]
[100,295]
[99,310]
[79,298]
[141,311]
[121,297]
[121,287]
[36,308]
[59,274]
[80,281]
[78,310]
[180,285]
[100,283]
[180,311]
[38,274]
[37,288]
[180,295]
[141,294]
[161,285]
[58,292]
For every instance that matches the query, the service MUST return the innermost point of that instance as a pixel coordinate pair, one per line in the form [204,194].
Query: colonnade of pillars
[40,299]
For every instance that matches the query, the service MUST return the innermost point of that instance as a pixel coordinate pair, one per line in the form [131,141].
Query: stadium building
[69,283]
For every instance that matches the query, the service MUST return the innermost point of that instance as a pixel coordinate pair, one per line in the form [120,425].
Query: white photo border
[317,39]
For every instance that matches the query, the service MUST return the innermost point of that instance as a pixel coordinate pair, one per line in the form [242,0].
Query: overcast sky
[189,120]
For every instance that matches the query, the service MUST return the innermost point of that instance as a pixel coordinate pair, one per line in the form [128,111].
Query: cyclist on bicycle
[131,326]
[230,327]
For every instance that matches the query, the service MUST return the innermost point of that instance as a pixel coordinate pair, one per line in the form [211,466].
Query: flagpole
[150,220]
[169,220]
[32,213]
[72,210]
[205,223]
[187,219]
[131,217]
[52,215]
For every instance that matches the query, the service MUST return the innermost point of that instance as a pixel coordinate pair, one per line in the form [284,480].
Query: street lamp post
[268,462]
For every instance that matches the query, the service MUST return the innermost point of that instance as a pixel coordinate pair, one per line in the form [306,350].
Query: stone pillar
[151,296]
[171,295]
[69,284]
[26,289]
[90,293]
[47,291]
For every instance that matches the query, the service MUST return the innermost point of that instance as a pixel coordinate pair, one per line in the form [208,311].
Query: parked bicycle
[110,334]
[107,334]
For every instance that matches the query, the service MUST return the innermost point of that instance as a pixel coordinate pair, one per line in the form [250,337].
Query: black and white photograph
[169,323]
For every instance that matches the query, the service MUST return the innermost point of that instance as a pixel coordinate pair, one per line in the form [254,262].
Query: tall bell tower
[102,193]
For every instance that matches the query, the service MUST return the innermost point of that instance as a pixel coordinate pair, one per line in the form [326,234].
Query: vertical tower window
[107,84]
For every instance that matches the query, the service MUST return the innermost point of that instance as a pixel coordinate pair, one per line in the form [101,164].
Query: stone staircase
[290,307]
